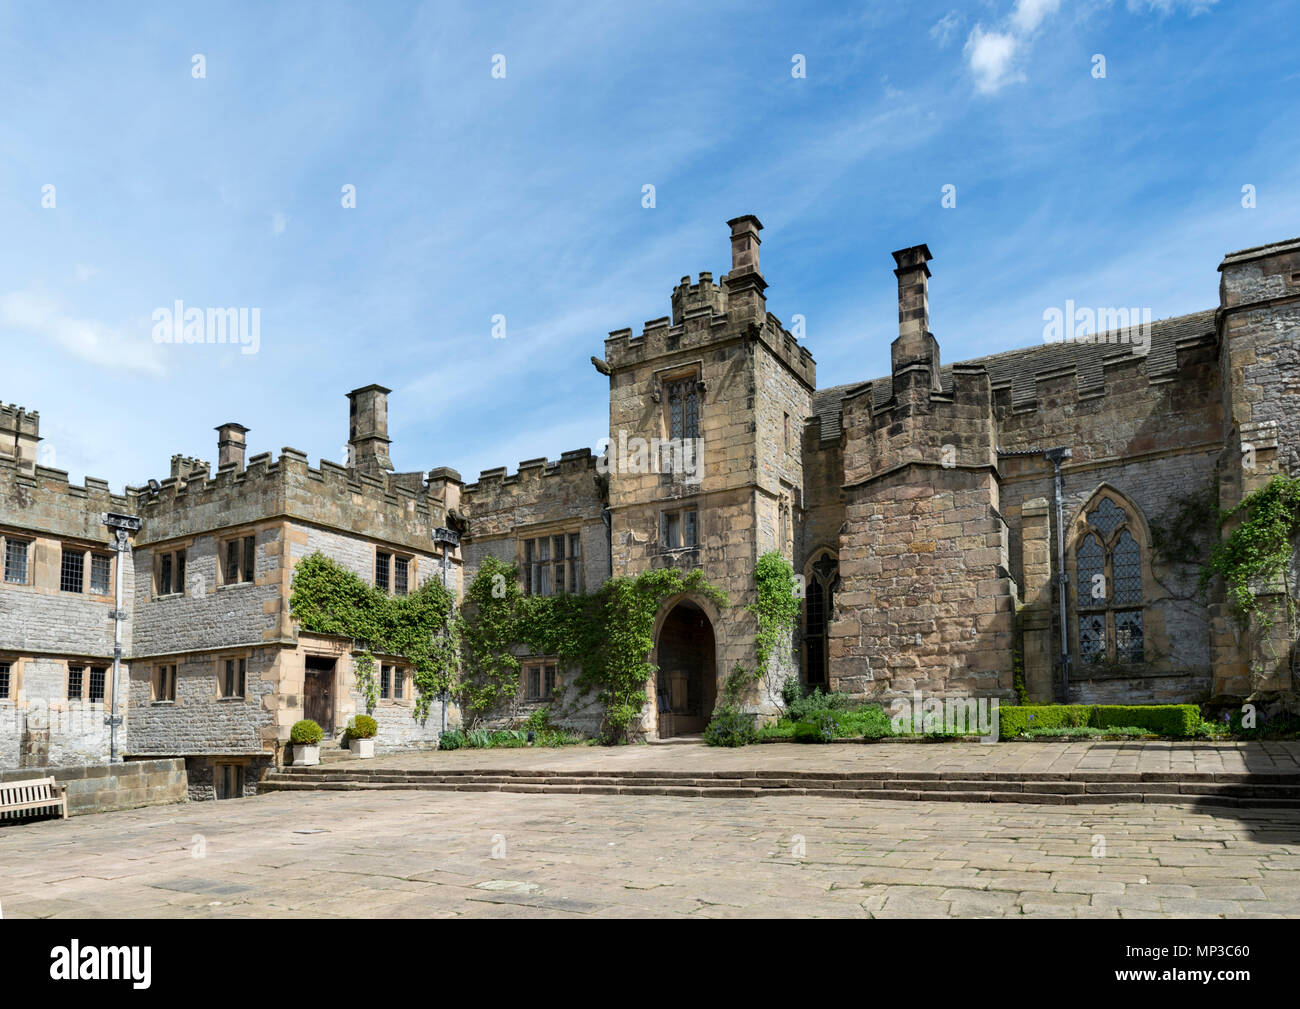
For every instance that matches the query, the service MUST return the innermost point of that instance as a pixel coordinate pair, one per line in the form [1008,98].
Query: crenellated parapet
[40,499]
[381,506]
[20,432]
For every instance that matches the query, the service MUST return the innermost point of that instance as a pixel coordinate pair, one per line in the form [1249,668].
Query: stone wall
[99,788]
[43,628]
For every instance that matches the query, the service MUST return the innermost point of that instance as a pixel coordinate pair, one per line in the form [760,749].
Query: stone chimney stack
[745,284]
[744,245]
[231,444]
[916,347]
[368,430]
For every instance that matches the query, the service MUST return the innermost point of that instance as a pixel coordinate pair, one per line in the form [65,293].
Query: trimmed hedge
[1177,720]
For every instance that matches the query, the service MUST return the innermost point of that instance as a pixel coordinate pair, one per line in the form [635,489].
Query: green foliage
[363,727]
[367,682]
[306,733]
[777,607]
[1015,721]
[791,691]
[820,727]
[490,672]
[608,634]
[1179,721]
[452,739]
[422,626]
[805,707]
[1090,732]
[1018,676]
[729,727]
[1257,553]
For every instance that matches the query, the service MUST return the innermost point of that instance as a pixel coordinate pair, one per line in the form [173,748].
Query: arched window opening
[819,605]
[1108,585]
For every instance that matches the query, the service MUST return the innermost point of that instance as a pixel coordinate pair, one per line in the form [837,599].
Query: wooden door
[318,700]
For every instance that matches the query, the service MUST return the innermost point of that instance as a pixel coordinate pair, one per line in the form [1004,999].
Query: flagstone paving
[490,854]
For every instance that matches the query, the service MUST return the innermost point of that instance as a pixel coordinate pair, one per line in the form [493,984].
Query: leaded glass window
[1108,575]
[683,408]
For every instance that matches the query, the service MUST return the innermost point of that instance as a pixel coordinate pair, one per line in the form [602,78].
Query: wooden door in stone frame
[318,693]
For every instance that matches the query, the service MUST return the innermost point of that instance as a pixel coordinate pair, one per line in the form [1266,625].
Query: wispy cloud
[942,30]
[40,319]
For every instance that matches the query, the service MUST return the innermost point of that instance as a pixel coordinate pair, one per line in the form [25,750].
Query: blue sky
[522,196]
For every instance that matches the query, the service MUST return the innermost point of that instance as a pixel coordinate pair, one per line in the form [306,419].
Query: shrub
[821,727]
[791,691]
[1015,721]
[870,721]
[306,733]
[363,727]
[452,739]
[729,727]
[1177,720]
[804,708]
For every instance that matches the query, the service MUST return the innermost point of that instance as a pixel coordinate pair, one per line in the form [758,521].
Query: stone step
[904,789]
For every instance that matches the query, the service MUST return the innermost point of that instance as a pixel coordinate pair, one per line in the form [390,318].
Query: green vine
[367,684]
[422,627]
[777,612]
[608,634]
[1258,552]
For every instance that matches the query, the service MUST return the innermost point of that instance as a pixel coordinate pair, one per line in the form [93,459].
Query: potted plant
[306,736]
[361,736]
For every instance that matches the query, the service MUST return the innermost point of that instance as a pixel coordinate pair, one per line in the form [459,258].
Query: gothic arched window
[821,583]
[1108,556]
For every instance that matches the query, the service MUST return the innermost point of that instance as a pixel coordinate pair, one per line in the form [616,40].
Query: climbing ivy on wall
[608,634]
[776,610]
[422,626]
[1256,555]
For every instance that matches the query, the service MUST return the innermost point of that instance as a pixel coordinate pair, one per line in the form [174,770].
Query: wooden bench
[21,799]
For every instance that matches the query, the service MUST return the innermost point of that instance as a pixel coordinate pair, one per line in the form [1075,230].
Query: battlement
[380,505]
[574,461]
[700,326]
[704,297]
[41,499]
[20,431]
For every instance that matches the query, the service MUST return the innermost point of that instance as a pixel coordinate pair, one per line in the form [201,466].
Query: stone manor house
[952,525]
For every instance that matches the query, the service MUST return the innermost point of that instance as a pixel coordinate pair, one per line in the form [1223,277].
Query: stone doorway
[686,685]
[318,692]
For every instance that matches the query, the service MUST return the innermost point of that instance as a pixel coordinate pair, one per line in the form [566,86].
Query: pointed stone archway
[686,651]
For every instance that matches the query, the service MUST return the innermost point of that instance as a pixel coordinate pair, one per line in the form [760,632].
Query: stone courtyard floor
[494,854]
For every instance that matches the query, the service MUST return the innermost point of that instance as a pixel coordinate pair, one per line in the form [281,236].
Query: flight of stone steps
[1271,790]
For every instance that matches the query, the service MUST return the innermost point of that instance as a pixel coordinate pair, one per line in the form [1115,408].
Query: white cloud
[279,221]
[40,319]
[942,29]
[1029,14]
[990,55]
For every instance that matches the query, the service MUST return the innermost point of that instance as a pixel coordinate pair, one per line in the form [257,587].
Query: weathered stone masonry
[919,509]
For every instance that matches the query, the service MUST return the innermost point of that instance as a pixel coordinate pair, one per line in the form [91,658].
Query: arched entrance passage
[686,685]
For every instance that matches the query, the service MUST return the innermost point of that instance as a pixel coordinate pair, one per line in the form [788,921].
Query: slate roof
[1018,370]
